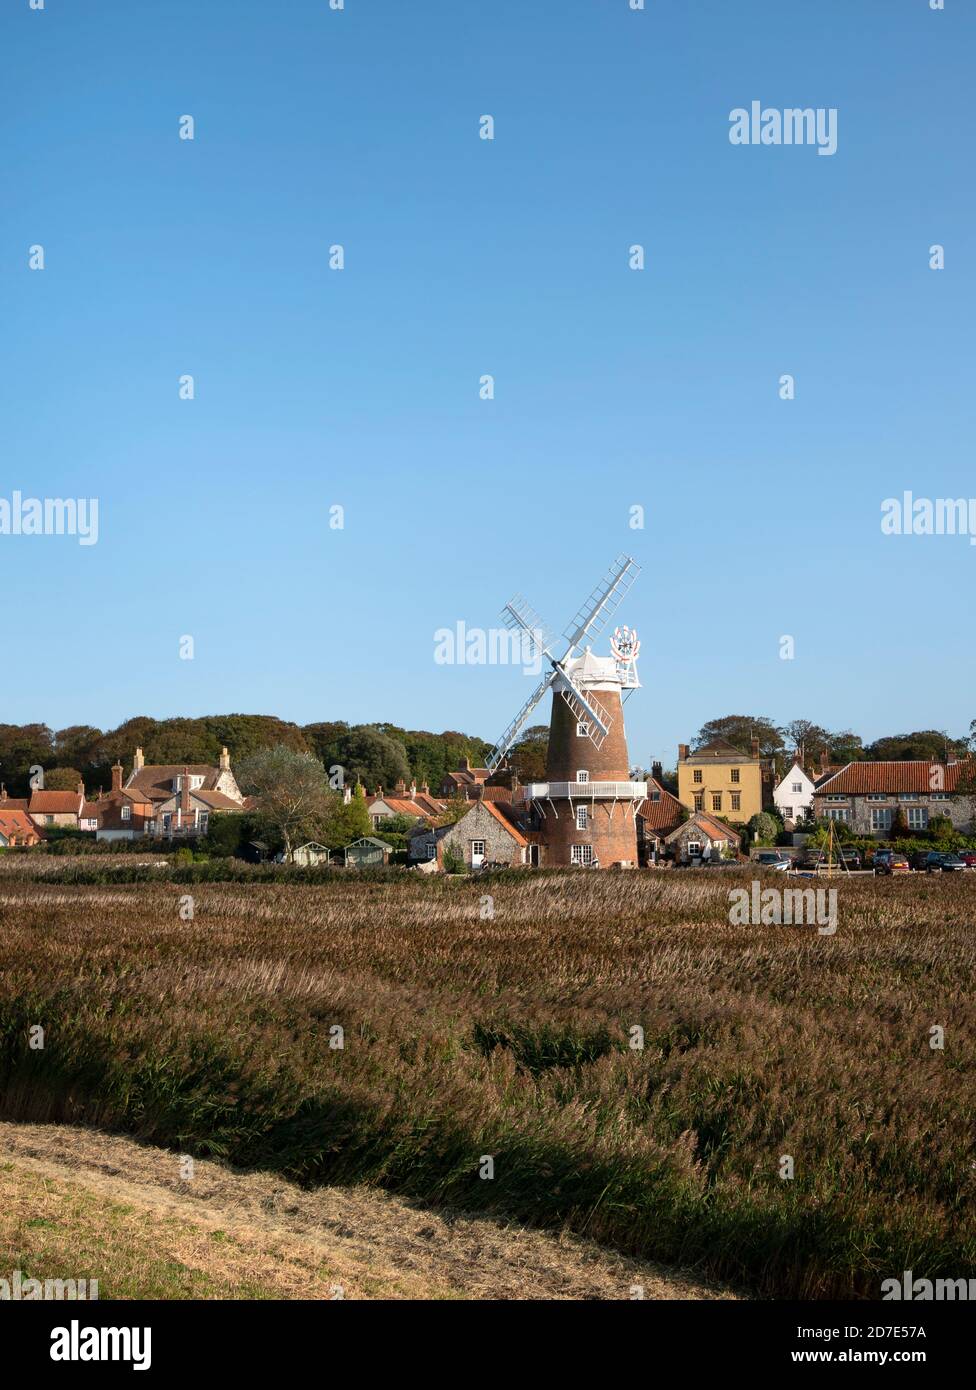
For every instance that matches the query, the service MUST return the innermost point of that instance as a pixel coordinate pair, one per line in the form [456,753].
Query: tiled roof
[714,829]
[862,778]
[663,814]
[157,782]
[504,812]
[55,803]
[217,801]
[17,824]
[402,807]
[719,751]
[15,803]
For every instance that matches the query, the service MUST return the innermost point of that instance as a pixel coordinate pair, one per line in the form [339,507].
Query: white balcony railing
[583,791]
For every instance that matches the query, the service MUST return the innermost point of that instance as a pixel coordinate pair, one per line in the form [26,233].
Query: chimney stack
[224,760]
[346,795]
[824,761]
[413,791]
[657,772]
[682,752]
[425,789]
[117,777]
[81,788]
[185,793]
[3,791]
[138,762]
[755,747]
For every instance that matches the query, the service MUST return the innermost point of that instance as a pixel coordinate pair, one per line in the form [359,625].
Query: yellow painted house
[721,780]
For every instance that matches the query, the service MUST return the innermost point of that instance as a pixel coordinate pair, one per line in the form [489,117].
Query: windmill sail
[596,611]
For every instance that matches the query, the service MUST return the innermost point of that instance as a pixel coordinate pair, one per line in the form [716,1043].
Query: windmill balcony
[582,791]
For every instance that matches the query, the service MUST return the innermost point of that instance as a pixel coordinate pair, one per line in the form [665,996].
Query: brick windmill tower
[587,808]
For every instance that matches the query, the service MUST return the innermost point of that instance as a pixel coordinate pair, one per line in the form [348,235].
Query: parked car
[952,863]
[887,861]
[968,857]
[851,856]
[927,861]
[773,859]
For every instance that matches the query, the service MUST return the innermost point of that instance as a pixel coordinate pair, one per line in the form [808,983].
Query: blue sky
[463,257]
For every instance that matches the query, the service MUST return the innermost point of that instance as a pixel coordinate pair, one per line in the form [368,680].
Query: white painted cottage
[793,797]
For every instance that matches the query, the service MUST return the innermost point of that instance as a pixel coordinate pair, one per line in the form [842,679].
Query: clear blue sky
[464,257]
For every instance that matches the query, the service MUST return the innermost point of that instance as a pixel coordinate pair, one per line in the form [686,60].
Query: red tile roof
[17,827]
[55,803]
[662,815]
[504,812]
[862,778]
[714,829]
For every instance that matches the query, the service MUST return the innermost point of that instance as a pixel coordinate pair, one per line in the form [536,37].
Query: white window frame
[695,848]
[881,818]
[582,775]
[582,818]
[430,850]
[126,812]
[918,818]
[582,729]
[581,854]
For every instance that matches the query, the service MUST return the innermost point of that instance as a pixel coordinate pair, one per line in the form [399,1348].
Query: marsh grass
[511,1037]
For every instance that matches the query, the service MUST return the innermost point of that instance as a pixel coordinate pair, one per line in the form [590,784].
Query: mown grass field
[508,1035]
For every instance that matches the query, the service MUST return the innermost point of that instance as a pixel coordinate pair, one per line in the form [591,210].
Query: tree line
[373,754]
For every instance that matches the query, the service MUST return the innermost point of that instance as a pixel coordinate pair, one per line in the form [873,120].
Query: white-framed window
[581,854]
[908,796]
[477,849]
[126,812]
[787,812]
[582,729]
[582,775]
[797,788]
[582,818]
[877,796]
[838,813]
[836,797]
[940,796]
[694,847]
[881,819]
[430,850]
[918,818]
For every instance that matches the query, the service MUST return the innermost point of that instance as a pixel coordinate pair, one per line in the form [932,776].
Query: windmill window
[582,775]
[581,854]
[582,729]
[582,820]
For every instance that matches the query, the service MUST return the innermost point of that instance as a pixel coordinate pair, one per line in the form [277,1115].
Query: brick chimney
[755,747]
[682,752]
[3,792]
[824,761]
[401,788]
[413,791]
[138,762]
[185,794]
[657,772]
[117,777]
[81,788]
[425,789]
[224,760]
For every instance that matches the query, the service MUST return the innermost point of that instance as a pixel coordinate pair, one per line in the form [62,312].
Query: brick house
[492,832]
[165,800]
[657,816]
[463,780]
[866,796]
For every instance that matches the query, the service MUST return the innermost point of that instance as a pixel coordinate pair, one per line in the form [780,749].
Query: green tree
[347,821]
[62,779]
[528,755]
[292,790]
[740,730]
[763,829]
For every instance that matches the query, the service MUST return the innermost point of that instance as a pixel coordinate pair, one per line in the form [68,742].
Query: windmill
[587,807]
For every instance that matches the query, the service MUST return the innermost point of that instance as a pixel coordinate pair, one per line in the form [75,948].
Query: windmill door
[477,853]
